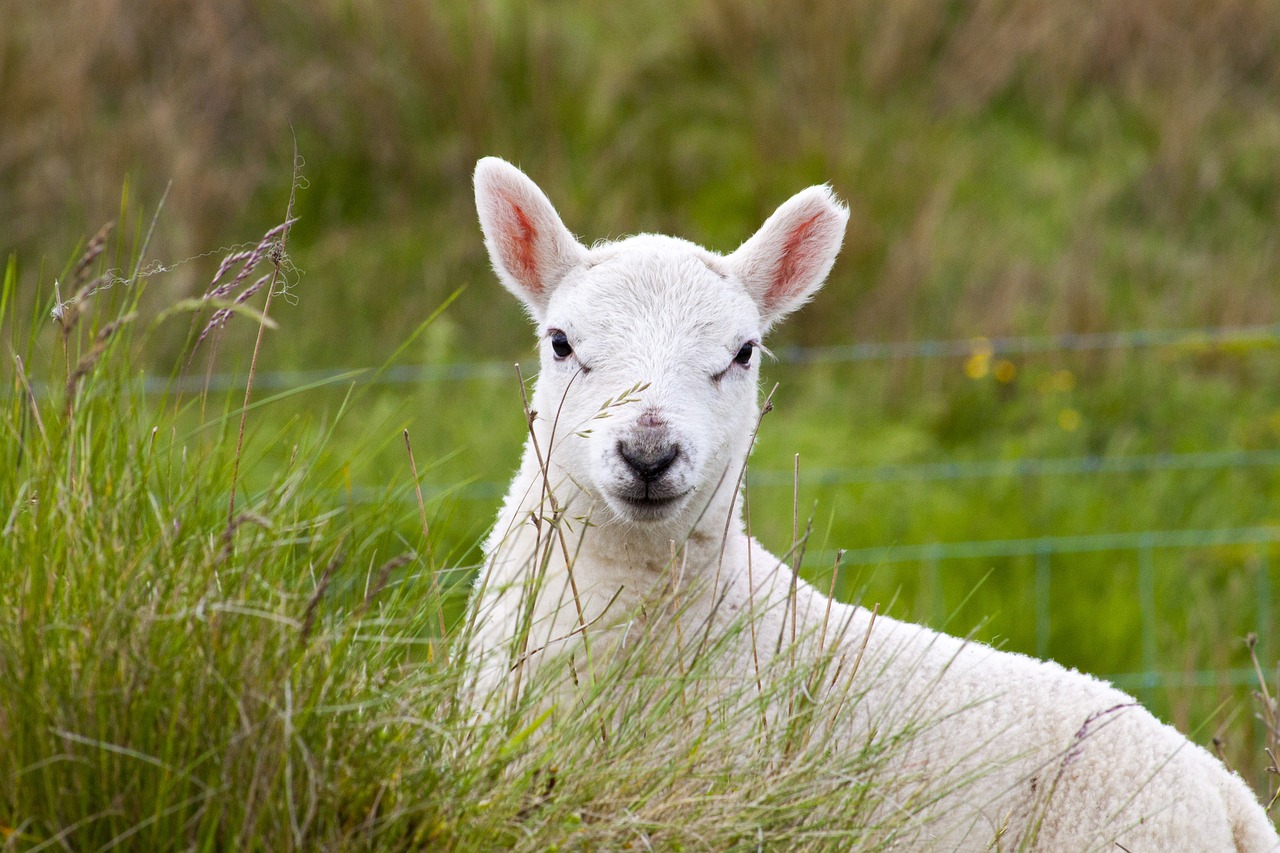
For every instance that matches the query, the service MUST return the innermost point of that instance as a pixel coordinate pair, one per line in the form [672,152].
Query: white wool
[1044,754]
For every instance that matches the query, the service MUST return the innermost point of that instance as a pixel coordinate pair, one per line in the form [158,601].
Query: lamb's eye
[560,344]
[744,355]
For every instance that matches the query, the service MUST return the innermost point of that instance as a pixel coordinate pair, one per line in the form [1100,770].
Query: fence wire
[1261,540]
[1047,551]
[1193,339]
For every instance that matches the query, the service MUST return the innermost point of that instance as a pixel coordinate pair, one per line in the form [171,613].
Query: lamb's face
[650,346]
[650,355]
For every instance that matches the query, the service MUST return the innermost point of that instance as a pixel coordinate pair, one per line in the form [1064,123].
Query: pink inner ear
[797,258]
[519,249]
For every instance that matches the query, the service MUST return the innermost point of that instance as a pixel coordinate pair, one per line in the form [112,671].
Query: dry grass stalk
[1269,715]
[549,494]
[751,602]
[738,486]
[677,579]
[32,406]
[313,604]
[383,576]
[831,594]
[426,532]
[90,359]
[857,663]
[277,256]
[581,630]
[541,553]
[67,312]
[798,552]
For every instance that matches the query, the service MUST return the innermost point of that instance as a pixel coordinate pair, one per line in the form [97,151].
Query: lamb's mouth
[650,507]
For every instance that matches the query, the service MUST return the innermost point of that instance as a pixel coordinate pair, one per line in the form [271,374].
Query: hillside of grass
[1012,167]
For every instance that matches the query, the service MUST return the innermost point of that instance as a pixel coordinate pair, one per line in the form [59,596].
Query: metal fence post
[937,604]
[1042,600]
[1147,608]
[1265,648]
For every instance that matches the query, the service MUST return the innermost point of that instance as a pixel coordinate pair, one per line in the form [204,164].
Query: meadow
[178,670]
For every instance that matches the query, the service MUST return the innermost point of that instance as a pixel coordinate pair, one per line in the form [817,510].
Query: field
[1038,400]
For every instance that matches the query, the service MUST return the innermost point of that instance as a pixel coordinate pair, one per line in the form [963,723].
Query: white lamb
[664,336]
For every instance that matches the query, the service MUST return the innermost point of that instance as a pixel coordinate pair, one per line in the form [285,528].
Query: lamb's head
[650,346]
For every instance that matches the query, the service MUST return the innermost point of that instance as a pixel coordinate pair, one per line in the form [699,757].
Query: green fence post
[1147,608]
[937,602]
[1042,600]
[1264,605]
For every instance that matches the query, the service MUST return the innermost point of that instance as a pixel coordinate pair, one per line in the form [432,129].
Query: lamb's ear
[786,261]
[529,246]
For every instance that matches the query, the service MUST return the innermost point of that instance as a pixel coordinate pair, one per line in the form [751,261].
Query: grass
[1019,168]
[179,674]
[1012,168]
[172,676]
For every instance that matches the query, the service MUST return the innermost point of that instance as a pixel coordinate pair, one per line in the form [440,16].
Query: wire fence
[1049,553]
[1052,553]
[1192,339]
[1044,550]
[1220,460]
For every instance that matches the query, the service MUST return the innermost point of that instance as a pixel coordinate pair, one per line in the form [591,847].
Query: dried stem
[1269,715]
[277,258]
[751,608]
[32,406]
[795,513]
[751,591]
[831,593]
[426,533]
[581,629]
[857,663]
[383,576]
[677,578]
[313,604]
[728,520]
[550,494]
[790,611]
[542,552]
[90,359]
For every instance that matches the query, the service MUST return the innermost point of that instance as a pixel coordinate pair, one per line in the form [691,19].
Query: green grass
[175,676]
[1021,168]
[179,673]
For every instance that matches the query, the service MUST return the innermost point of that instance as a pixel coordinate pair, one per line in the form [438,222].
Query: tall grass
[174,677]
[1013,167]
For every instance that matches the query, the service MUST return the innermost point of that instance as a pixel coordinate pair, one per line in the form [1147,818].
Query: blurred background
[1038,399]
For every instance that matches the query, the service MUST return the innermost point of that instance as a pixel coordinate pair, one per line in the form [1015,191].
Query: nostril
[649,465]
[663,462]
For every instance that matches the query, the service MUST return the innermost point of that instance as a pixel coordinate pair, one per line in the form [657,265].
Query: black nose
[649,463]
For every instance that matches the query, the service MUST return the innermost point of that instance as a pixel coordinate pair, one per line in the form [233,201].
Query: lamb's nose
[651,419]
[649,463]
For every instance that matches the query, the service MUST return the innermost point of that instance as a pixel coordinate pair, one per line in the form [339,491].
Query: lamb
[664,337]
